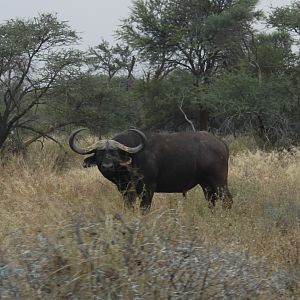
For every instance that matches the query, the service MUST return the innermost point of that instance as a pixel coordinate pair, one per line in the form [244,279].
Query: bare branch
[185,116]
[43,134]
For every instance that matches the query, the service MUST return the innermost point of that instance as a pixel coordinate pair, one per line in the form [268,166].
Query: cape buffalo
[143,163]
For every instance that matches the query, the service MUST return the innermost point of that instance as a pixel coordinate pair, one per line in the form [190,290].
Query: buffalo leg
[129,198]
[212,193]
[226,197]
[147,196]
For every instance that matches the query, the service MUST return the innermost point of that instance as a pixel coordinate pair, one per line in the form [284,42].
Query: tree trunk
[3,134]
[203,112]
[204,117]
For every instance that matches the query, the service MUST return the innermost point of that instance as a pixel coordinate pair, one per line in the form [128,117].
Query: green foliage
[197,36]
[35,54]
[93,102]
[273,53]
[287,17]
[188,34]
[161,98]
[243,104]
[110,60]
[201,56]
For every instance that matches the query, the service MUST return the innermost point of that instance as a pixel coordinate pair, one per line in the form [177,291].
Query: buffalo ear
[89,161]
[126,163]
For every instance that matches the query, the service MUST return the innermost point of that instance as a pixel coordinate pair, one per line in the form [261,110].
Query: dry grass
[64,234]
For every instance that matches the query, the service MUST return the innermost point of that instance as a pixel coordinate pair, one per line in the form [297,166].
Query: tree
[34,56]
[271,53]
[287,17]
[162,99]
[262,97]
[91,102]
[198,36]
[111,60]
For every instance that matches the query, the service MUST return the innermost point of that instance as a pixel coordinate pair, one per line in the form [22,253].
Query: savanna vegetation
[64,231]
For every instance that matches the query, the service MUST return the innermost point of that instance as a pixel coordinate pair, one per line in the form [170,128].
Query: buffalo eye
[99,155]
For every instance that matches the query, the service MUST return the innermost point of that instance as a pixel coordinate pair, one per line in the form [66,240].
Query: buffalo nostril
[107,166]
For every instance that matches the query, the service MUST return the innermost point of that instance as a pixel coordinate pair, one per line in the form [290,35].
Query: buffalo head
[109,155]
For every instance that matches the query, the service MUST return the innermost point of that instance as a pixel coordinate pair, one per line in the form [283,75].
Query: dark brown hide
[168,163]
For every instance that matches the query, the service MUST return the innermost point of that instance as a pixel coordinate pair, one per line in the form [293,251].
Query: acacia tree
[34,56]
[260,97]
[196,35]
[111,60]
[287,17]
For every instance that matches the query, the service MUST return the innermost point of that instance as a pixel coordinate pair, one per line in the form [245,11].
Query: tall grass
[65,234]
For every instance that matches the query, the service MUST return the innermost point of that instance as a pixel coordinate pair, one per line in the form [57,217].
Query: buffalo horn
[105,144]
[112,144]
[141,134]
[76,148]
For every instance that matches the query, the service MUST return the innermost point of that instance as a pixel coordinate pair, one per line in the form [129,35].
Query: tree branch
[185,116]
[44,134]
